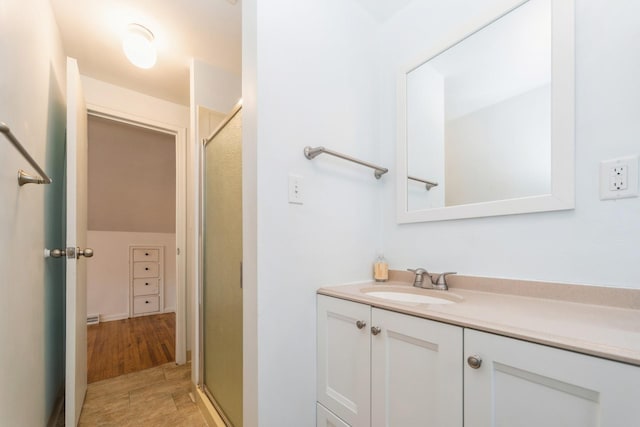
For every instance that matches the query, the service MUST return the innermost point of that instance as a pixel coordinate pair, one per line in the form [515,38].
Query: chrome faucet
[438,281]
[419,278]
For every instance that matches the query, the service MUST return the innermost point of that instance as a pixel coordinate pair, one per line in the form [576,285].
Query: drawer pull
[146,302]
[360,324]
[146,268]
[474,361]
[146,254]
[146,283]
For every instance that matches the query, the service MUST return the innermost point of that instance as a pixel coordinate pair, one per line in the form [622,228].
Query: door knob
[87,253]
[55,253]
[70,252]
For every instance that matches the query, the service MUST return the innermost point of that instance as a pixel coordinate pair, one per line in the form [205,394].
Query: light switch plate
[296,189]
[619,178]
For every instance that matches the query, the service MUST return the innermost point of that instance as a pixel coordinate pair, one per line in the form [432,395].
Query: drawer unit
[145,269]
[146,304]
[146,286]
[146,255]
[146,280]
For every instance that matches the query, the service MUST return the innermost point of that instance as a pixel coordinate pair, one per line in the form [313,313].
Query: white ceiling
[208,30]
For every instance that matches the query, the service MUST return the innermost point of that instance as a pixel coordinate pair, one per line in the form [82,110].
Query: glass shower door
[222,269]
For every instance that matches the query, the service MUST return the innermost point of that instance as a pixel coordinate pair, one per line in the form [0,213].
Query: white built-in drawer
[145,254]
[146,304]
[146,286]
[145,269]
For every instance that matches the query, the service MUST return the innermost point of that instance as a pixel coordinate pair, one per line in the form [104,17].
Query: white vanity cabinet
[326,418]
[522,384]
[381,368]
[344,359]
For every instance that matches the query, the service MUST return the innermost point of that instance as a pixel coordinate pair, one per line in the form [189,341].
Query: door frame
[180,134]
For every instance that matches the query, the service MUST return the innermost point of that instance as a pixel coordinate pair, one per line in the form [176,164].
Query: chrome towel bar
[427,183]
[311,153]
[23,177]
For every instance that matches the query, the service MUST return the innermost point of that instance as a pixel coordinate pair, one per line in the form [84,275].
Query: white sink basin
[413,296]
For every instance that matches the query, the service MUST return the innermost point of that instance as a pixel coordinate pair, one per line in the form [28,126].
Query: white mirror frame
[562,194]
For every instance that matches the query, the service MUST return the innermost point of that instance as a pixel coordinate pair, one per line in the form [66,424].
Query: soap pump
[381,269]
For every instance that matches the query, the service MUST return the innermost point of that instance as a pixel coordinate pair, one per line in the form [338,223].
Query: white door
[343,382]
[76,299]
[517,383]
[416,373]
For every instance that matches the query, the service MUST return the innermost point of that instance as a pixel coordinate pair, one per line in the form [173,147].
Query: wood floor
[130,345]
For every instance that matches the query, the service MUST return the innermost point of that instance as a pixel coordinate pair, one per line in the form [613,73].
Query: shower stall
[221,286]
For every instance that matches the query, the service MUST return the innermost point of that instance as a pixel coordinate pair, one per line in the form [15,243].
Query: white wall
[310,80]
[133,103]
[214,88]
[32,90]
[108,272]
[597,243]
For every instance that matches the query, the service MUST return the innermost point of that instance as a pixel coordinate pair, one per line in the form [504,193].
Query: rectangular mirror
[486,124]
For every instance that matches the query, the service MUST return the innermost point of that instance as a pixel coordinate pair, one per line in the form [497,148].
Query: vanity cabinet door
[523,384]
[416,374]
[325,418]
[343,383]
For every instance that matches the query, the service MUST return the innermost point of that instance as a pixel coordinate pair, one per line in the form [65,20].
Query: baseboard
[209,413]
[57,410]
[120,316]
[111,317]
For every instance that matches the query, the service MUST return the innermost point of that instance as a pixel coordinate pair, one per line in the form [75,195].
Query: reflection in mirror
[479,114]
[478,120]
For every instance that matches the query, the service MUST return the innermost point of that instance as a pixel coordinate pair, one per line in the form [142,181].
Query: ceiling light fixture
[137,45]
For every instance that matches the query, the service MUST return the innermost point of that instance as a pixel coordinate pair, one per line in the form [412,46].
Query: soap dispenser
[380,269]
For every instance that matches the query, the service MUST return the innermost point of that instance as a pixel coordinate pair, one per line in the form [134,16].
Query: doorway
[136,282]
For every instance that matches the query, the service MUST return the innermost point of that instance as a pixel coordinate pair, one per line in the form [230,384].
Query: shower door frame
[201,154]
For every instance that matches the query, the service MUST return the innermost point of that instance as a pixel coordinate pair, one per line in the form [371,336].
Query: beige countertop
[599,321]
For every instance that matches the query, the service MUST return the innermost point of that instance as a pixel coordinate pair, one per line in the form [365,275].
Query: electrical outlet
[296,189]
[619,178]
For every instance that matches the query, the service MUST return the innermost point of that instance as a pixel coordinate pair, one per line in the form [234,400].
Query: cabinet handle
[360,324]
[146,283]
[146,302]
[146,254]
[375,330]
[146,268]
[474,361]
